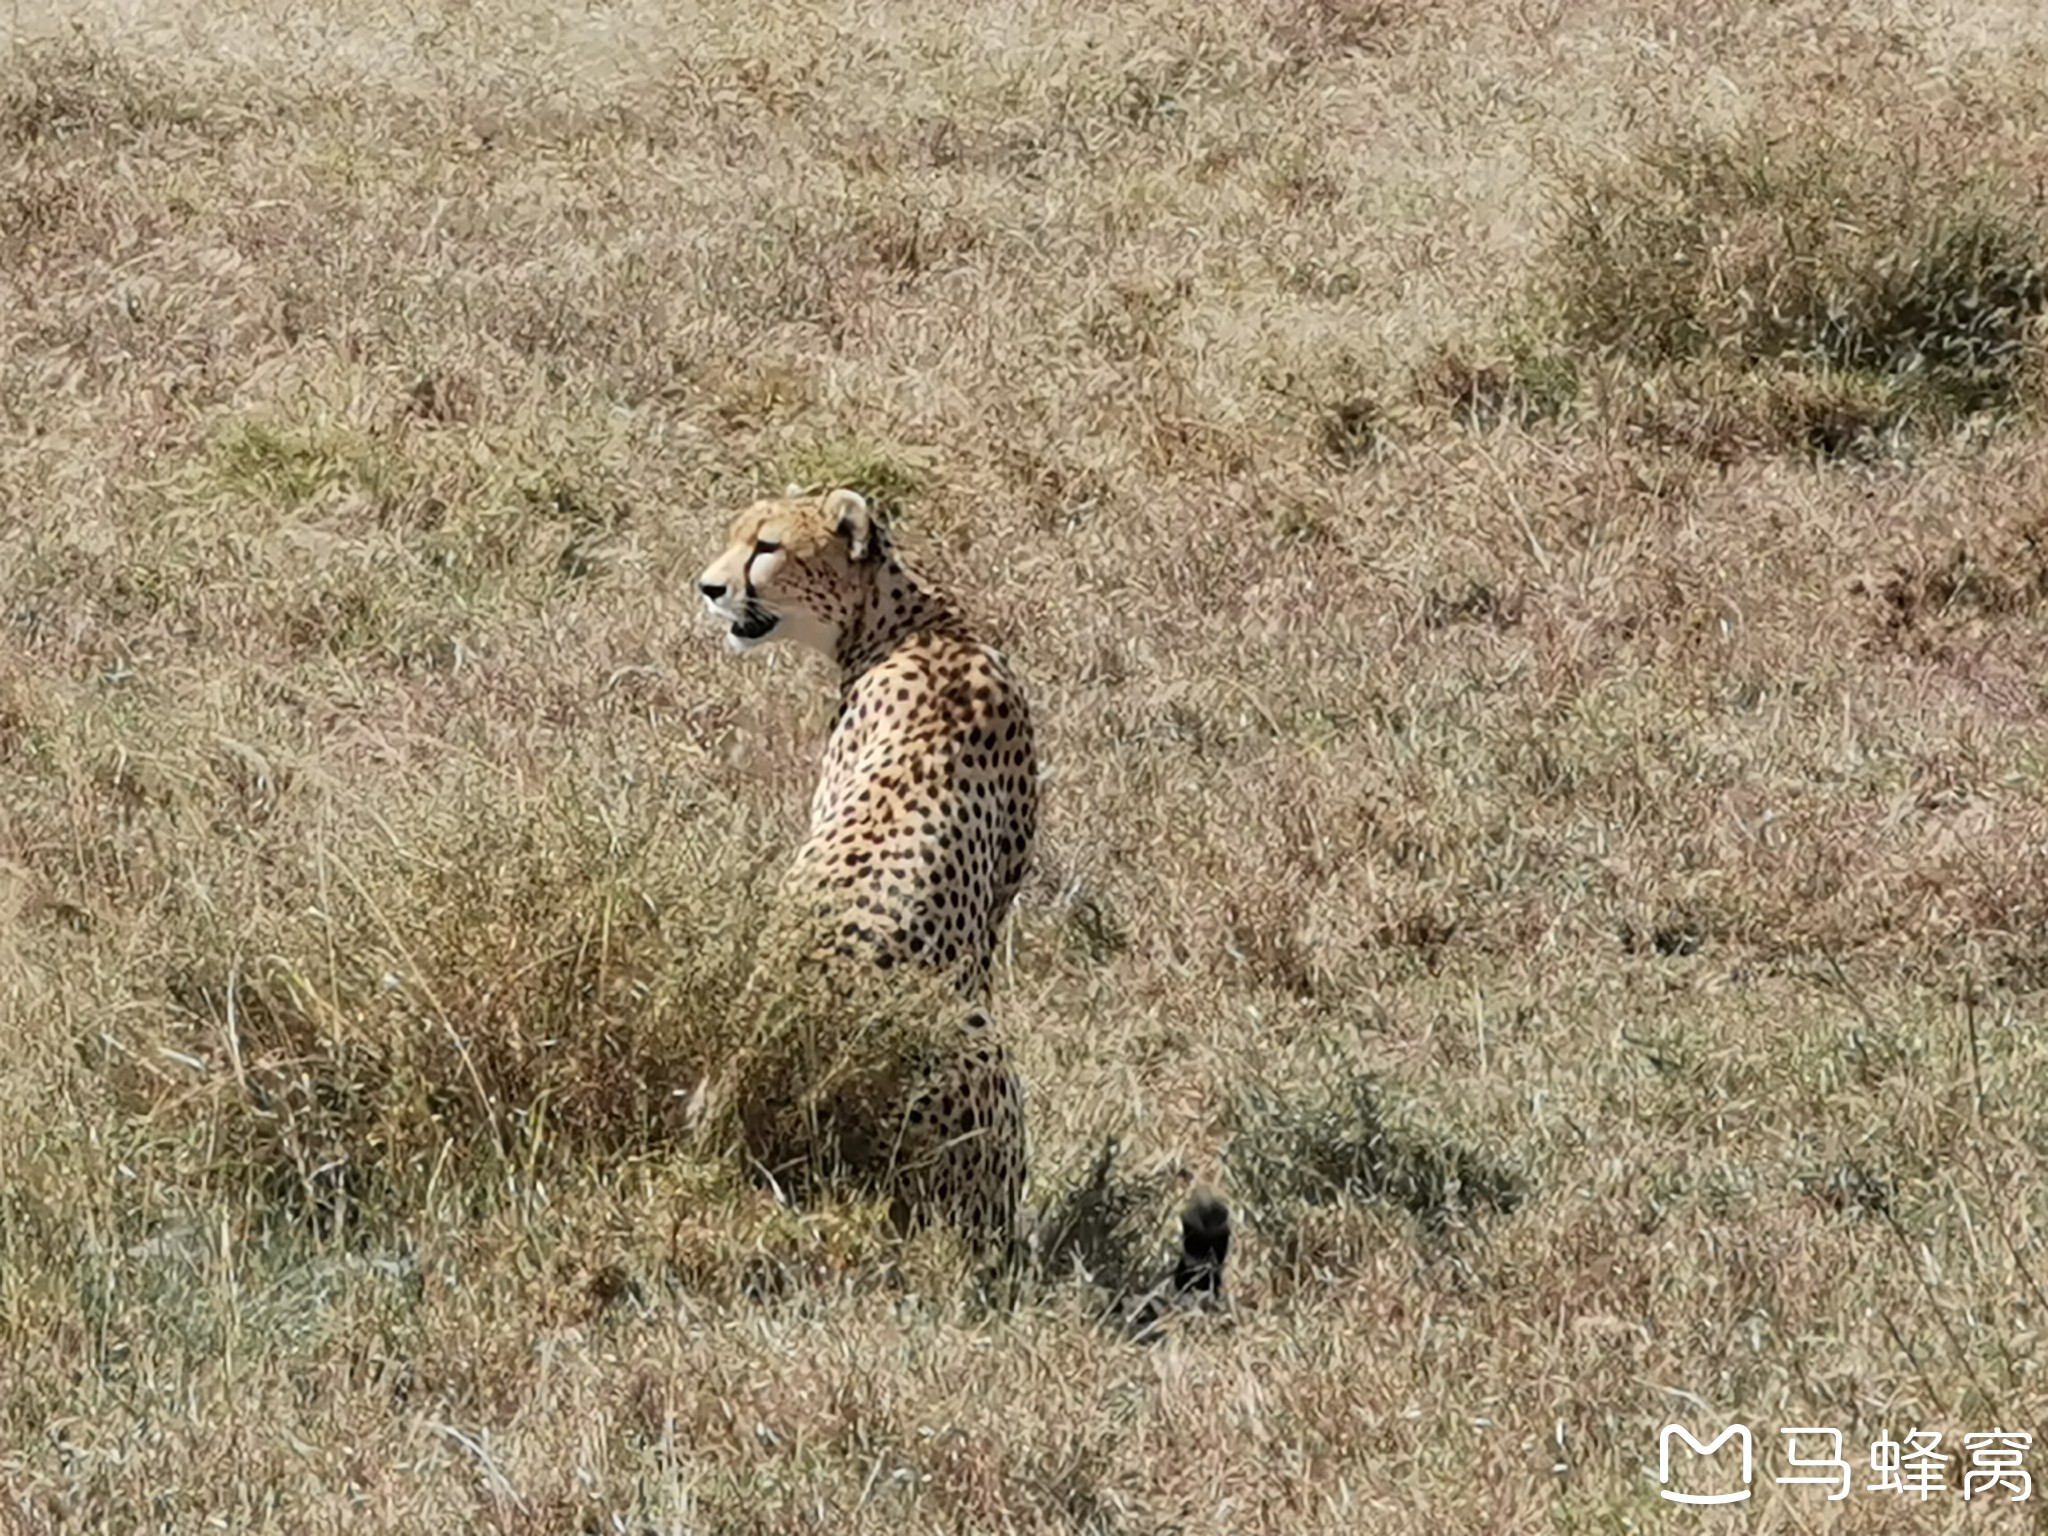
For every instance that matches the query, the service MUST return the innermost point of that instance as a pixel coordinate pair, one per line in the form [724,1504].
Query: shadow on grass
[1291,1152]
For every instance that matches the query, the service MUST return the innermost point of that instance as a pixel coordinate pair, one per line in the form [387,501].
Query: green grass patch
[890,477]
[1830,295]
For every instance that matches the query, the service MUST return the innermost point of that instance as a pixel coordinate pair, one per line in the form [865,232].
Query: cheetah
[922,822]
[921,828]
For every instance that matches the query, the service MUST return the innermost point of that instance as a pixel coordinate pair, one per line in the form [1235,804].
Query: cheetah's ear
[854,521]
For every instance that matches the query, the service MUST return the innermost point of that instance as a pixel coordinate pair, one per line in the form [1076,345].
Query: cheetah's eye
[766,546]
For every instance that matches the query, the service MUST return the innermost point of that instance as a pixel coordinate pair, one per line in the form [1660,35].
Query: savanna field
[1526,529]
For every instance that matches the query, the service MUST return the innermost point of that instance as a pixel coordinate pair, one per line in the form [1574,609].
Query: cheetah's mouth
[750,631]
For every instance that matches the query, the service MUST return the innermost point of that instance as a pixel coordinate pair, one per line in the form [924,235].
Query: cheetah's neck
[900,604]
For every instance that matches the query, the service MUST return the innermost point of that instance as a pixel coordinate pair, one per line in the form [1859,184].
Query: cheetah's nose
[712,590]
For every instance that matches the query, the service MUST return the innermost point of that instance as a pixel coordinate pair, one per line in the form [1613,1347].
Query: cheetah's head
[793,566]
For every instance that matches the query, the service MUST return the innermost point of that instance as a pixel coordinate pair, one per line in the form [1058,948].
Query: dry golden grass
[1548,784]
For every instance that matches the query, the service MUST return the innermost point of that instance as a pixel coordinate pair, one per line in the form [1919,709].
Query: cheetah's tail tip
[1204,1245]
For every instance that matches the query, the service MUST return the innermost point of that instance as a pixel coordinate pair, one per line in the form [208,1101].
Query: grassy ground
[1524,527]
